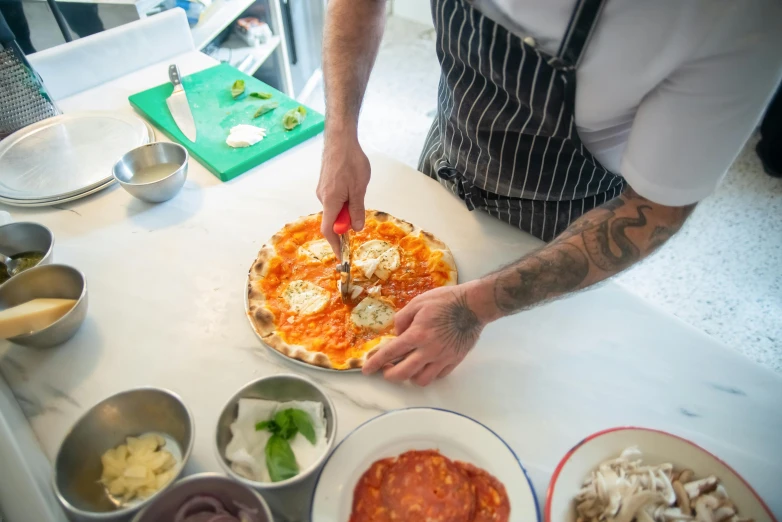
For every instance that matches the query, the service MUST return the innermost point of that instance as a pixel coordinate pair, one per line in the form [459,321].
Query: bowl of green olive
[24,245]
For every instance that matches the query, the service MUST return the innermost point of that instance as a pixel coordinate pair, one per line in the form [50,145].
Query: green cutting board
[215,111]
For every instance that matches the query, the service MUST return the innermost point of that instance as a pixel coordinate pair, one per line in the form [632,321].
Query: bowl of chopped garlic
[122,453]
[632,474]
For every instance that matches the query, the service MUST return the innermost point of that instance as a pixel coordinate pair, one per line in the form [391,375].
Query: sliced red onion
[204,508]
[204,516]
[223,518]
[198,505]
[243,507]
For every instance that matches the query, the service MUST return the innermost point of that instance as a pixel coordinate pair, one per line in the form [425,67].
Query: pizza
[425,486]
[293,298]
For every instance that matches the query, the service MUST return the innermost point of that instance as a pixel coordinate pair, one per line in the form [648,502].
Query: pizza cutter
[342,227]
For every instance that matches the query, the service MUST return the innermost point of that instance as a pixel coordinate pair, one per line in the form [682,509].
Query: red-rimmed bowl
[657,447]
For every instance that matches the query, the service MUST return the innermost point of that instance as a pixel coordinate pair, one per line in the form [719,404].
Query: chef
[594,125]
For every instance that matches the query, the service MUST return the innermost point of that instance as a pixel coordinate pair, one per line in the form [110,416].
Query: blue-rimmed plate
[456,436]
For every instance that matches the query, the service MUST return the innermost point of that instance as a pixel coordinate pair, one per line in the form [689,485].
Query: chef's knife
[177,104]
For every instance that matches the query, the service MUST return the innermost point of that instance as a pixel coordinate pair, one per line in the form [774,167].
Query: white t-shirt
[668,91]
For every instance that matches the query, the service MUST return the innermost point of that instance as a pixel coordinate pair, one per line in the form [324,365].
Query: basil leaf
[294,117]
[287,426]
[280,460]
[303,422]
[266,107]
[265,425]
[261,95]
[269,425]
[237,89]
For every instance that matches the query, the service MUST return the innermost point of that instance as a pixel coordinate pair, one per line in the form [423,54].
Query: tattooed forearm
[663,233]
[458,325]
[598,245]
[539,277]
[608,236]
[659,236]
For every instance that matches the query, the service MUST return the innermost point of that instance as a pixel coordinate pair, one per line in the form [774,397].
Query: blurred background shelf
[290,61]
[216,18]
[247,59]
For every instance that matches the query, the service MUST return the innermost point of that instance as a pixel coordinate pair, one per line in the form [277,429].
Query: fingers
[330,210]
[393,351]
[356,208]
[446,371]
[404,317]
[411,365]
[429,373]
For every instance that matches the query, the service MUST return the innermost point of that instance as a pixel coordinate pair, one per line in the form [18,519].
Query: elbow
[665,220]
[672,216]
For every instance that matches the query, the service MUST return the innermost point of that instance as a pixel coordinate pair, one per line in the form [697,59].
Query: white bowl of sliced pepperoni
[423,464]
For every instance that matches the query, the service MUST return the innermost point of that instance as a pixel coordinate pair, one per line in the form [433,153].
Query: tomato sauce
[331,331]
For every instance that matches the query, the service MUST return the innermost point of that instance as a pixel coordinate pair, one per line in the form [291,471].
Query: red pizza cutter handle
[342,224]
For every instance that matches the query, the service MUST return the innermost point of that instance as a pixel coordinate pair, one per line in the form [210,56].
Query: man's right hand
[344,176]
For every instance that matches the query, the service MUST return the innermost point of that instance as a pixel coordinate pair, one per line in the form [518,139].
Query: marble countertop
[167,283]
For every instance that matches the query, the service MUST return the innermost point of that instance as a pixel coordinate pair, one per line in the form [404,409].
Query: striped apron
[504,139]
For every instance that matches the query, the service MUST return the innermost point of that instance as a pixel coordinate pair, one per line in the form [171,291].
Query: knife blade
[178,105]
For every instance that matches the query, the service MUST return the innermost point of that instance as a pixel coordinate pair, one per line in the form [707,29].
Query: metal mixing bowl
[52,281]
[16,238]
[157,190]
[77,467]
[280,388]
[227,491]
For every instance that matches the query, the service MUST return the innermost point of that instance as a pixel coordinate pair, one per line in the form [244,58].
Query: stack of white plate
[66,157]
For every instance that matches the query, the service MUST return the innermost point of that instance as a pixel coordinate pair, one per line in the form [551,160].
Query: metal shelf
[218,16]
[247,59]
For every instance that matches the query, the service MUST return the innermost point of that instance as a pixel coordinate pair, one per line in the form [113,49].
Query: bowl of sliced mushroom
[644,475]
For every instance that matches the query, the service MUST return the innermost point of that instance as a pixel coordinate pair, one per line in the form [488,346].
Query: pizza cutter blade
[342,227]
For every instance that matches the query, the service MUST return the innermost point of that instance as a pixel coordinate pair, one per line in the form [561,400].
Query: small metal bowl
[288,498]
[16,238]
[77,467]
[52,281]
[129,171]
[230,493]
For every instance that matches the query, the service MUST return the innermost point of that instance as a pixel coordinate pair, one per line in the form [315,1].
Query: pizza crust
[382,217]
[300,353]
[436,245]
[261,266]
[262,319]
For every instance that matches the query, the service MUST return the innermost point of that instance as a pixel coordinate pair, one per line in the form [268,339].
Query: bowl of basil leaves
[274,435]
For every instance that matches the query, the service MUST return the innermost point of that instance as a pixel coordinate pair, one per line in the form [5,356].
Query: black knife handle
[173,74]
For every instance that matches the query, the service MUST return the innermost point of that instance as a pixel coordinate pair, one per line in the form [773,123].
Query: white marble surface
[166,289]
[166,309]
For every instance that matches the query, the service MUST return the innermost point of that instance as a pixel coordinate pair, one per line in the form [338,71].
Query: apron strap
[579,30]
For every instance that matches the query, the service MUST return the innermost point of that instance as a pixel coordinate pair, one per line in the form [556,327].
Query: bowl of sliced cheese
[122,453]
[43,306]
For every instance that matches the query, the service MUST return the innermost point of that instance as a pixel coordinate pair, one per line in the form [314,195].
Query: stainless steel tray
[57,201]
[45,202]
[66,156]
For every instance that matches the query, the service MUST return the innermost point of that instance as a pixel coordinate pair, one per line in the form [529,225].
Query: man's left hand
[435,331]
